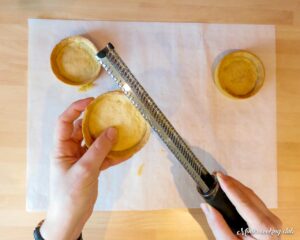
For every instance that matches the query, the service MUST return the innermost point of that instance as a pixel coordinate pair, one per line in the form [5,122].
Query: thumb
[217,223]
[97,152]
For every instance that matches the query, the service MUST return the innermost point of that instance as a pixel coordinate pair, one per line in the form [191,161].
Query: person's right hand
[249,206]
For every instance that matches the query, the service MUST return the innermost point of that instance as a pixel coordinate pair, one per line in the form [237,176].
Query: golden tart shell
[73,61]
[114,109]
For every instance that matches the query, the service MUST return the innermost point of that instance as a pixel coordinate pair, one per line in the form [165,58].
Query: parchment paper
[173,62]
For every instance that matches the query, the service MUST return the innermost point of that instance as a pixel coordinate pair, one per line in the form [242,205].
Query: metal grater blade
[118,70]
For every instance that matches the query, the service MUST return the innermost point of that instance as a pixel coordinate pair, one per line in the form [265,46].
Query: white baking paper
[173,62]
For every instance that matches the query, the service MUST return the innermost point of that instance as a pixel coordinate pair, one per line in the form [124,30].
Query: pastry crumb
[86,87]
[140,170]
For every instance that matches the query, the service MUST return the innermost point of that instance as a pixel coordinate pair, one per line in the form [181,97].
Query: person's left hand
[74,175]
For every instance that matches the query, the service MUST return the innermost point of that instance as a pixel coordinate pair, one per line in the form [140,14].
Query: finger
[217,223]
[108,162]
[247,208]
[95,155]
[77,135]
[258,203]
[105,164]
[250,194]
[277,222]
[66,119]
[247,191]
[83,150]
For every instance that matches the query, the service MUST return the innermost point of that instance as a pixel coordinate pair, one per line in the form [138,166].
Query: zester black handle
[218,199]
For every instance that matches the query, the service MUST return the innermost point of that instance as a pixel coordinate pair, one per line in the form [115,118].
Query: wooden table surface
[16,223]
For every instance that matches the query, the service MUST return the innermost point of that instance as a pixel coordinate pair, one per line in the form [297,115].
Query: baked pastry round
[114,109]
[239,74]
[73,61]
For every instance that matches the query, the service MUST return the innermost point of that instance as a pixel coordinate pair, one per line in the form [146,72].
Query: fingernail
[205,208]
[111,134]
[88,99]
[221,175]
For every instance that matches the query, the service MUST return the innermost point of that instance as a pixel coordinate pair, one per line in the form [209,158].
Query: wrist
[60,228]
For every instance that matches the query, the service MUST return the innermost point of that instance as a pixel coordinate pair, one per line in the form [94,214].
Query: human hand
[249,206]
[74,175]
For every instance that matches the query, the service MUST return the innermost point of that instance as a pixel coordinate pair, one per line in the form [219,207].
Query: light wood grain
[15,223]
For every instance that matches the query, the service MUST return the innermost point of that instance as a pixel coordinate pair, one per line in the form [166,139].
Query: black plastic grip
[218,199]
